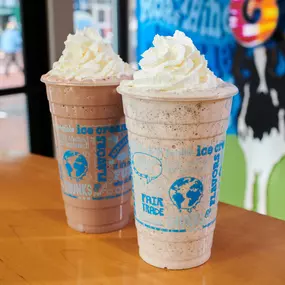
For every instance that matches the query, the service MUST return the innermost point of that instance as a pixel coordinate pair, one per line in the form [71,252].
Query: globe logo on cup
[146,166]
[186,193]
[76,164]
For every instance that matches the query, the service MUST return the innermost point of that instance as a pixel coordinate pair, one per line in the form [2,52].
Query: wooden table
[37,247]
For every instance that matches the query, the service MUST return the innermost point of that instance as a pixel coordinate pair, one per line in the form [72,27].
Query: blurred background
[243,41]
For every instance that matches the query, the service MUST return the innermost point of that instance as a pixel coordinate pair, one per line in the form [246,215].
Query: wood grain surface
[37,247]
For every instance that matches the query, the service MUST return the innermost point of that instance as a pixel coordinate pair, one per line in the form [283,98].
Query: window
[11,55]
[14,123]
[24,112]
[101,14]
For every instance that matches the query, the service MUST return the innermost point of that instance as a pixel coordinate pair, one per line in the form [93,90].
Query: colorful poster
[244,43]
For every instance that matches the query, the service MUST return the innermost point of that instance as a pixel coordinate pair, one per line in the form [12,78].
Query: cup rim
[112,81]
[223,91]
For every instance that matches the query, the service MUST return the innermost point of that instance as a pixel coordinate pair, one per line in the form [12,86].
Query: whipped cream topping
[173,64]
[87,57]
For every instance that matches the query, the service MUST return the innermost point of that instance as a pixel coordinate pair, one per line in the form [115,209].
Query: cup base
[88,217]
[89,229]
[176,264]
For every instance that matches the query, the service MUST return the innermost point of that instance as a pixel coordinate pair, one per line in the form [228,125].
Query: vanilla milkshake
[177,114]
[90,133]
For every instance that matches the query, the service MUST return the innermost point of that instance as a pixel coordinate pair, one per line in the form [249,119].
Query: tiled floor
[13,124]
[13,113]
[15,78]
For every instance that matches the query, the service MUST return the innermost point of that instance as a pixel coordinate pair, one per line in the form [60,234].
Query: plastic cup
[92,152]
[176,148]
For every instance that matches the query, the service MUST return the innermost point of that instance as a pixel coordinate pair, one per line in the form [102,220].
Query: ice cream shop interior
[125,125]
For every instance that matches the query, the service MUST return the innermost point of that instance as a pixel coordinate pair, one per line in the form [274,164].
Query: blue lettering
[192,21]
[151,210]
[148,199]
[215,172]
[121,164]
[210,150]
[145,207]
[217,157]
[105,129]
[84,130]
[213,200]
[143,197]
[198,150]
[78,129]
[118,147]
[219,146]
[214,186]
[111,129]
[204,151]
[126,180]
[152,205]
[101,159]
[118,183]
[160,202]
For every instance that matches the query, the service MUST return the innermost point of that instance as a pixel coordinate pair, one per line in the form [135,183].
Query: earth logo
[186,193]
[76,164]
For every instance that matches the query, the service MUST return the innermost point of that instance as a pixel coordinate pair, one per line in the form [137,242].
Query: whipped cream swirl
[87,57]
[173,63]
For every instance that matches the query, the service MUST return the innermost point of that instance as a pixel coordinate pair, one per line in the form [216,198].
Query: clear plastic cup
[176,148]
[92,152]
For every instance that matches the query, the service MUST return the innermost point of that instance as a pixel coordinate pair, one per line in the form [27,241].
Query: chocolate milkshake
[177,115]
[90,133]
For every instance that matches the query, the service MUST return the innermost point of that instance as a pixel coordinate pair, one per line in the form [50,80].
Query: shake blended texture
[177,114]
[90,133]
